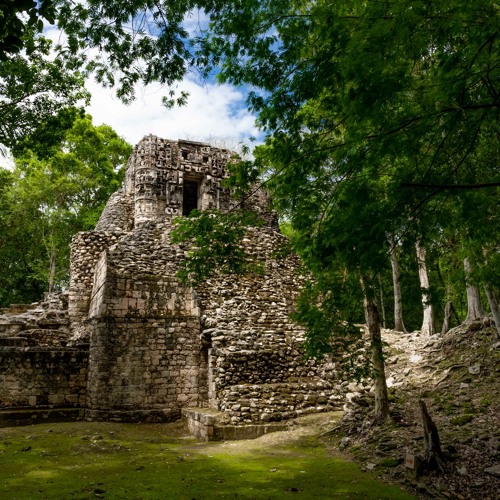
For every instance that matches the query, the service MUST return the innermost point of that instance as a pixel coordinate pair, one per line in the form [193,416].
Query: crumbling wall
[50,314]
[258,371]
[37,369]
[117,216]
[86,248]
[155,345]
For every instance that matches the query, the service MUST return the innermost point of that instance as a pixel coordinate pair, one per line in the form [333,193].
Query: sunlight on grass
[42,474]
[114,461]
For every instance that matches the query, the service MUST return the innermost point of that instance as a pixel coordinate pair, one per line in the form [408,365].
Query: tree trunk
[495,311]
[474,307]
[382,303]
[52,269]
[428,327]
[447,317]
[449,311]
[433,455]
[398,301]
[377,358]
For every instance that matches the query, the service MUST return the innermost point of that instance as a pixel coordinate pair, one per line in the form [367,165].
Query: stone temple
[129,342]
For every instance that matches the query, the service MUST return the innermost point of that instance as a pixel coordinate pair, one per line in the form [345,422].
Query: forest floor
[457,376]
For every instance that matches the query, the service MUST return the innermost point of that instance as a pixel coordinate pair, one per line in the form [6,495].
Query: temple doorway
[189,197]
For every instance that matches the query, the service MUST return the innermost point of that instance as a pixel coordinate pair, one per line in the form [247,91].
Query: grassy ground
[108,460]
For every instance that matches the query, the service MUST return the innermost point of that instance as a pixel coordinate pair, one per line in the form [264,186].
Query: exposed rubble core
[156,346]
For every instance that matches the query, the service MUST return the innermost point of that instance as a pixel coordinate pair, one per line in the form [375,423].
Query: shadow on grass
[106,460]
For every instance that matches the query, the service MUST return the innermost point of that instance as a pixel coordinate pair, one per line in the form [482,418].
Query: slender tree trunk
[495,310]
[474,306]
[399,325]
[449,310]
[377,357]
[52,269]
[428,327]
[447,317]
[382,303]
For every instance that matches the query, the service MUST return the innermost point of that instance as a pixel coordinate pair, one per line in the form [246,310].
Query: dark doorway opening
[189,197]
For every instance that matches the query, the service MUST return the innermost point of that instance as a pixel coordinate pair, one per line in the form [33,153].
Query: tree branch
[449,186]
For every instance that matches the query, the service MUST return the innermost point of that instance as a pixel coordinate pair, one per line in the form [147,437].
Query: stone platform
[212,425]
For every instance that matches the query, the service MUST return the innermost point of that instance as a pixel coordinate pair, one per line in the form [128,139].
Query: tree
[344,89]
[428,322]
[494,306]
[398,301]
[55,191]
[139,41]
[435,93]
[19,20]
[215,241]
[474,306]
[17,284]
[34,87]
[348,90]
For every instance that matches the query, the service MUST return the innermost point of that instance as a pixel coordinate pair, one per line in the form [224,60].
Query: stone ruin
[129,342]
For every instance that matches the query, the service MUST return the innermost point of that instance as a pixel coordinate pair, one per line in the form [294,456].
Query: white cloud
[212,112]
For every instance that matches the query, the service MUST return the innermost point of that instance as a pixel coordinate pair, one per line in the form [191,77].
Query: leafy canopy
[19,19]
[33,88]
[57,188]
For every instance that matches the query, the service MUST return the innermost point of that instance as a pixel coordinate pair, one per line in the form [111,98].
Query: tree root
[447,373]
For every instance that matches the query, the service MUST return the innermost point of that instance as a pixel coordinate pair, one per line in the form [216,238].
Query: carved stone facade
[156,346]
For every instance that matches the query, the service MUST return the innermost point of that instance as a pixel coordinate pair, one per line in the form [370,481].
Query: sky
[213,113]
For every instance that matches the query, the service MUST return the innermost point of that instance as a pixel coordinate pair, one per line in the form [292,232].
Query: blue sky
[215,113]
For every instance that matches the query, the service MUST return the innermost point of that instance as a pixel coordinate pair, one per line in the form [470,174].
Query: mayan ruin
[128,342]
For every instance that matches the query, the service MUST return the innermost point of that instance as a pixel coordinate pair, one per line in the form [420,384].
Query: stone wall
[257,368]
[144,370]
[261,403]
[86,249]
[145,350]
[40,377]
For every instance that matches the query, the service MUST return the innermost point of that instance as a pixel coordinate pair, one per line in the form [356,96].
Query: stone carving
[156,346]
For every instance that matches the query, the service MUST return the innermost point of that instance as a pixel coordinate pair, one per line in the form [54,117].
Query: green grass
[107,460]
[462,419]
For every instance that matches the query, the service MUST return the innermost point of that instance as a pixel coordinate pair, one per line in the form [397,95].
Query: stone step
[13,342]
[212,425]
